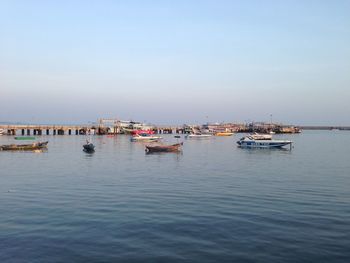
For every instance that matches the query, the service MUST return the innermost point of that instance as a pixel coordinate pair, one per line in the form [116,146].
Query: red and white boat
[138,132]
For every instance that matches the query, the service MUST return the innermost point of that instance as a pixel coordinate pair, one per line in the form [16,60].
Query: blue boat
[250,142]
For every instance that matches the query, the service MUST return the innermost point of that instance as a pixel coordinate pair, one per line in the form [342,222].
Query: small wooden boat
[23,138]
[24,147]
[163,148]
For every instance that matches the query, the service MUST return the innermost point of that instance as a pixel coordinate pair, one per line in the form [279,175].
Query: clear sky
[175,61]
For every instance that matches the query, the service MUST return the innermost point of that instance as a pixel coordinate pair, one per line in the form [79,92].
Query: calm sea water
[213,202]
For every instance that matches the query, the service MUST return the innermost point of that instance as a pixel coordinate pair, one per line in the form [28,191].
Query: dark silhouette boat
[24,147]
[88,147]
[163,148]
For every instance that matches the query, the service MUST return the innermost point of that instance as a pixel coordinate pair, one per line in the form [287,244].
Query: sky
[175,62]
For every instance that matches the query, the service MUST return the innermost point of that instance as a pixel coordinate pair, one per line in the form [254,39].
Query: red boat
[137,132]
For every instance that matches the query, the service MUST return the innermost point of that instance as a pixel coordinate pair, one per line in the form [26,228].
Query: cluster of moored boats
[254,140]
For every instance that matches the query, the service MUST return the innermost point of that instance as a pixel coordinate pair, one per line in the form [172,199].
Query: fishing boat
[163,148]
[224,134]
[23,138]
[88,147]
[250,142]
[144,137]
[127,127]
[24,147]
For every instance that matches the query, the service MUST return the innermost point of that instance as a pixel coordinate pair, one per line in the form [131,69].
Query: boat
[197,133]
[136,132]
[145,137]
[2,132]
[127,127]
[24,147]
[260,136]
[250,142]
[23,138]
[88,147]
[163,148]
[198,136]
[224,134]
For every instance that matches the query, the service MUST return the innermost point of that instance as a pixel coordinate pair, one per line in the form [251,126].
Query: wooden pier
[30,129]
[100,129]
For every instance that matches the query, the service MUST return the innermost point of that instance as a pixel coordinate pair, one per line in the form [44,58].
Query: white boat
[259,136]
[198,135]
[145,138]
[250,142]
[127,127]
[2,132]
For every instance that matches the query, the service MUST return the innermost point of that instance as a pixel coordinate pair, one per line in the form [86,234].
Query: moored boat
[198,135]
[88,147]
[224,134]
[136,132]
[24,147]
[144,137]
[23,138]
[163,148]
[250,142]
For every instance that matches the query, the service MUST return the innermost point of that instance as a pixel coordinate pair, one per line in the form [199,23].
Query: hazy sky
[175,61]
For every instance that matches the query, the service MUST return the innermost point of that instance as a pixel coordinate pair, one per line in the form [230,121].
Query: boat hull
[24,147]
[23,138]
[263,143]
[224,134]
[163,148]
[145,138]
[198,136]
[88,147]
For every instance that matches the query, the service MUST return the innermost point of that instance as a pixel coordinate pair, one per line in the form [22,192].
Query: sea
[211,202]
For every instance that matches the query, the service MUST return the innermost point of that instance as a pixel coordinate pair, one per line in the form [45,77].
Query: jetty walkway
[31,129]
[14,129]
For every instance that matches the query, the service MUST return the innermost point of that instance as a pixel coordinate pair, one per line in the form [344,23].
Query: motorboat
[145,137]
[88,147]
[163,148]
[250,142]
